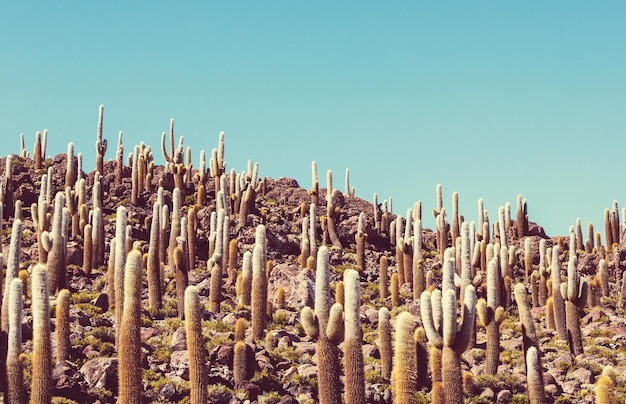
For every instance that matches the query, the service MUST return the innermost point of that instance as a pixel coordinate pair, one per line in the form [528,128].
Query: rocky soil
[283,366]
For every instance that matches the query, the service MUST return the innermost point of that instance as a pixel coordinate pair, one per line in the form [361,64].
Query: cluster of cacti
[424,359]
[325,326]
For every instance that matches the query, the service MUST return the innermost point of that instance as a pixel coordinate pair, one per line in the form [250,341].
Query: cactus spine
[129,356]
[195,346]
[353,352]
[404,381]
[325,326]
[41,389]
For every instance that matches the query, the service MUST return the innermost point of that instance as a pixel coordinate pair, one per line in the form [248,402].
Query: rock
[69,383]
[571,387]
[504,396]
[179,340]
[581,375]
[488,394]
[101,373]
[297,283]
[307,370]
[179,361]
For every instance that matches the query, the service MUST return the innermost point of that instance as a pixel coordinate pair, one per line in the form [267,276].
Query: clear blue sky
[488,98]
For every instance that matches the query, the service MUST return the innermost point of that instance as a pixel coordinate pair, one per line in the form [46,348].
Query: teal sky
[490,99]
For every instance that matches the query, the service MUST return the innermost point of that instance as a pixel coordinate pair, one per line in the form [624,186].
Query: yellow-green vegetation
[500,381]
[219,394]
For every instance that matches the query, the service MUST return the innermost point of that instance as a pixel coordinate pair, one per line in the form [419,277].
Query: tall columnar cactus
[575,295]
[39,149]
[603,276]
[119,159]
[71,166]
[63,325]
[360,238]
[7,200]
[101,144]
[455,230]
[451,341]
[246,279]
[418,261]
[182,279]
[325,325]
[153,264]
[259,284]
[383,279]
[558,302]
[13,270]
[87,250]
[120,264]
[54,243]
[195,346]
[491,315]
[129,351]
[534,372]
[353,352]
[404,380]
[14,366]
[384,342]
[41,383]
[332,217]
[215,295]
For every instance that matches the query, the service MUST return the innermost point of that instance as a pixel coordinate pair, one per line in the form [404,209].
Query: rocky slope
[282,368]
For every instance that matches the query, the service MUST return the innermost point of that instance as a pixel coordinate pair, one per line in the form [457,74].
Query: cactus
[118,271]
[13,270]
[575,295]
[491,316]
[182,279]
[71,166]
[383,279]
[360,238]
[87,250]
[622,298]
[14,366]
[7,200]
[119,159]
[605,386]
[558,302]
[445,335]
[54,243]
[129,351]
[418,261]
[395,290]
[259,284]
[325,325]
[603,276]
[41,383]
[353,352]
[404,381]
[240,370]
[155,296]
[195,346]
[421,358]
[534,373]
[215,295]
[384,341]
[63,325]
[101,144]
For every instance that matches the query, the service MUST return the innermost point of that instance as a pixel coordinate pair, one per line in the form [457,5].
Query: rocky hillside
[282,365]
